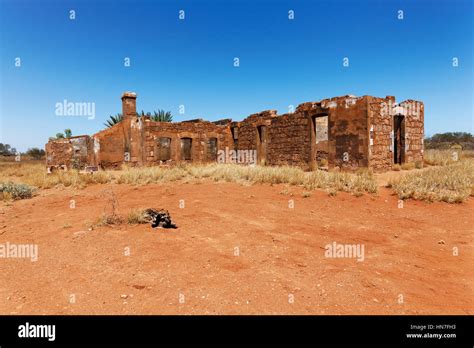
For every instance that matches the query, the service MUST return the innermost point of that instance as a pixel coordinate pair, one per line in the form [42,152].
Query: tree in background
[36,153]
[449,139]
[7,150]
[67,134]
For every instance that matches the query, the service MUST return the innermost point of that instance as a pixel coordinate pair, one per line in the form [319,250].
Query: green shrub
[11,190]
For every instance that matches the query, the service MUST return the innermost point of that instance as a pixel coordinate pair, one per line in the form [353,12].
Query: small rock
[441,242]
[79,234]
[123,296]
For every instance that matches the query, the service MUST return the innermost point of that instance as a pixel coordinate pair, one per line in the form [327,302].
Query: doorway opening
[262,144]
[212,149]
[320,129]
[163,149]
[186,146]
[398,139]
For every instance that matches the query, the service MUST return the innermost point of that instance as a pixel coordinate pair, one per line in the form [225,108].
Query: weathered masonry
[345,132]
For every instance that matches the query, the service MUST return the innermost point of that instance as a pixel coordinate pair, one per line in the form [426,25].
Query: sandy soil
[280,268]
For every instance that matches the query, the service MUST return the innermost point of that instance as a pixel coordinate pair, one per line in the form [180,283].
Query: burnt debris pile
[159,218]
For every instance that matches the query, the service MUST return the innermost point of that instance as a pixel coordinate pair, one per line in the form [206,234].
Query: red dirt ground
[408,252]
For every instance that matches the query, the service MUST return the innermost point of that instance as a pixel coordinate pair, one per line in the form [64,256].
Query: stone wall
[248,134]
[289,140]
[414,130]
[200,132]
[74,152]
[109,147]
[346,132]
[347,136]
[381,121]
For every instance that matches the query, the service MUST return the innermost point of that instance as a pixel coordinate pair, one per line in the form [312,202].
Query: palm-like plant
[162,116]
[143,114]
[158,116]
[113,120]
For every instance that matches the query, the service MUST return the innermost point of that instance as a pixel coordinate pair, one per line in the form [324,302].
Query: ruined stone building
[346,132]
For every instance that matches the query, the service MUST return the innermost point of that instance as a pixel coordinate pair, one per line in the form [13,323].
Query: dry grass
[108,219]
[408,166]
[137,216]
[446,157]
[452,183]
[34,174]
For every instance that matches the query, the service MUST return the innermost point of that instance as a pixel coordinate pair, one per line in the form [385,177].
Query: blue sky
[190,62]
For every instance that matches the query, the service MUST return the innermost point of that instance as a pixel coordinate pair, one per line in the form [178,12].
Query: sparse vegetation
[408,166]
[137,216]
[35,174]
[446,157]
[110,215]
[456,140]
[453,183]
[10,190]
[108,219]
[441,157]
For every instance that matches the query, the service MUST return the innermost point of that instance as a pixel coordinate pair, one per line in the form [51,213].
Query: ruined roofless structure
[346,132]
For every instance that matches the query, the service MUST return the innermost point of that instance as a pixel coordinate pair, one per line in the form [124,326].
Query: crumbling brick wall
[109,147]
[248,134]
[67,153]
[414,130]
[289,140]
[347,138]
[381,125]
[347,132]
[200,132]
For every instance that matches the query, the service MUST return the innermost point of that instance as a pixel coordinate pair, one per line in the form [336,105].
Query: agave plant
[113,120]
[143,114]
[162,116]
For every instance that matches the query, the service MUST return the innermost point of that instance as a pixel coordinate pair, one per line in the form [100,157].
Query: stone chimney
[129,104]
